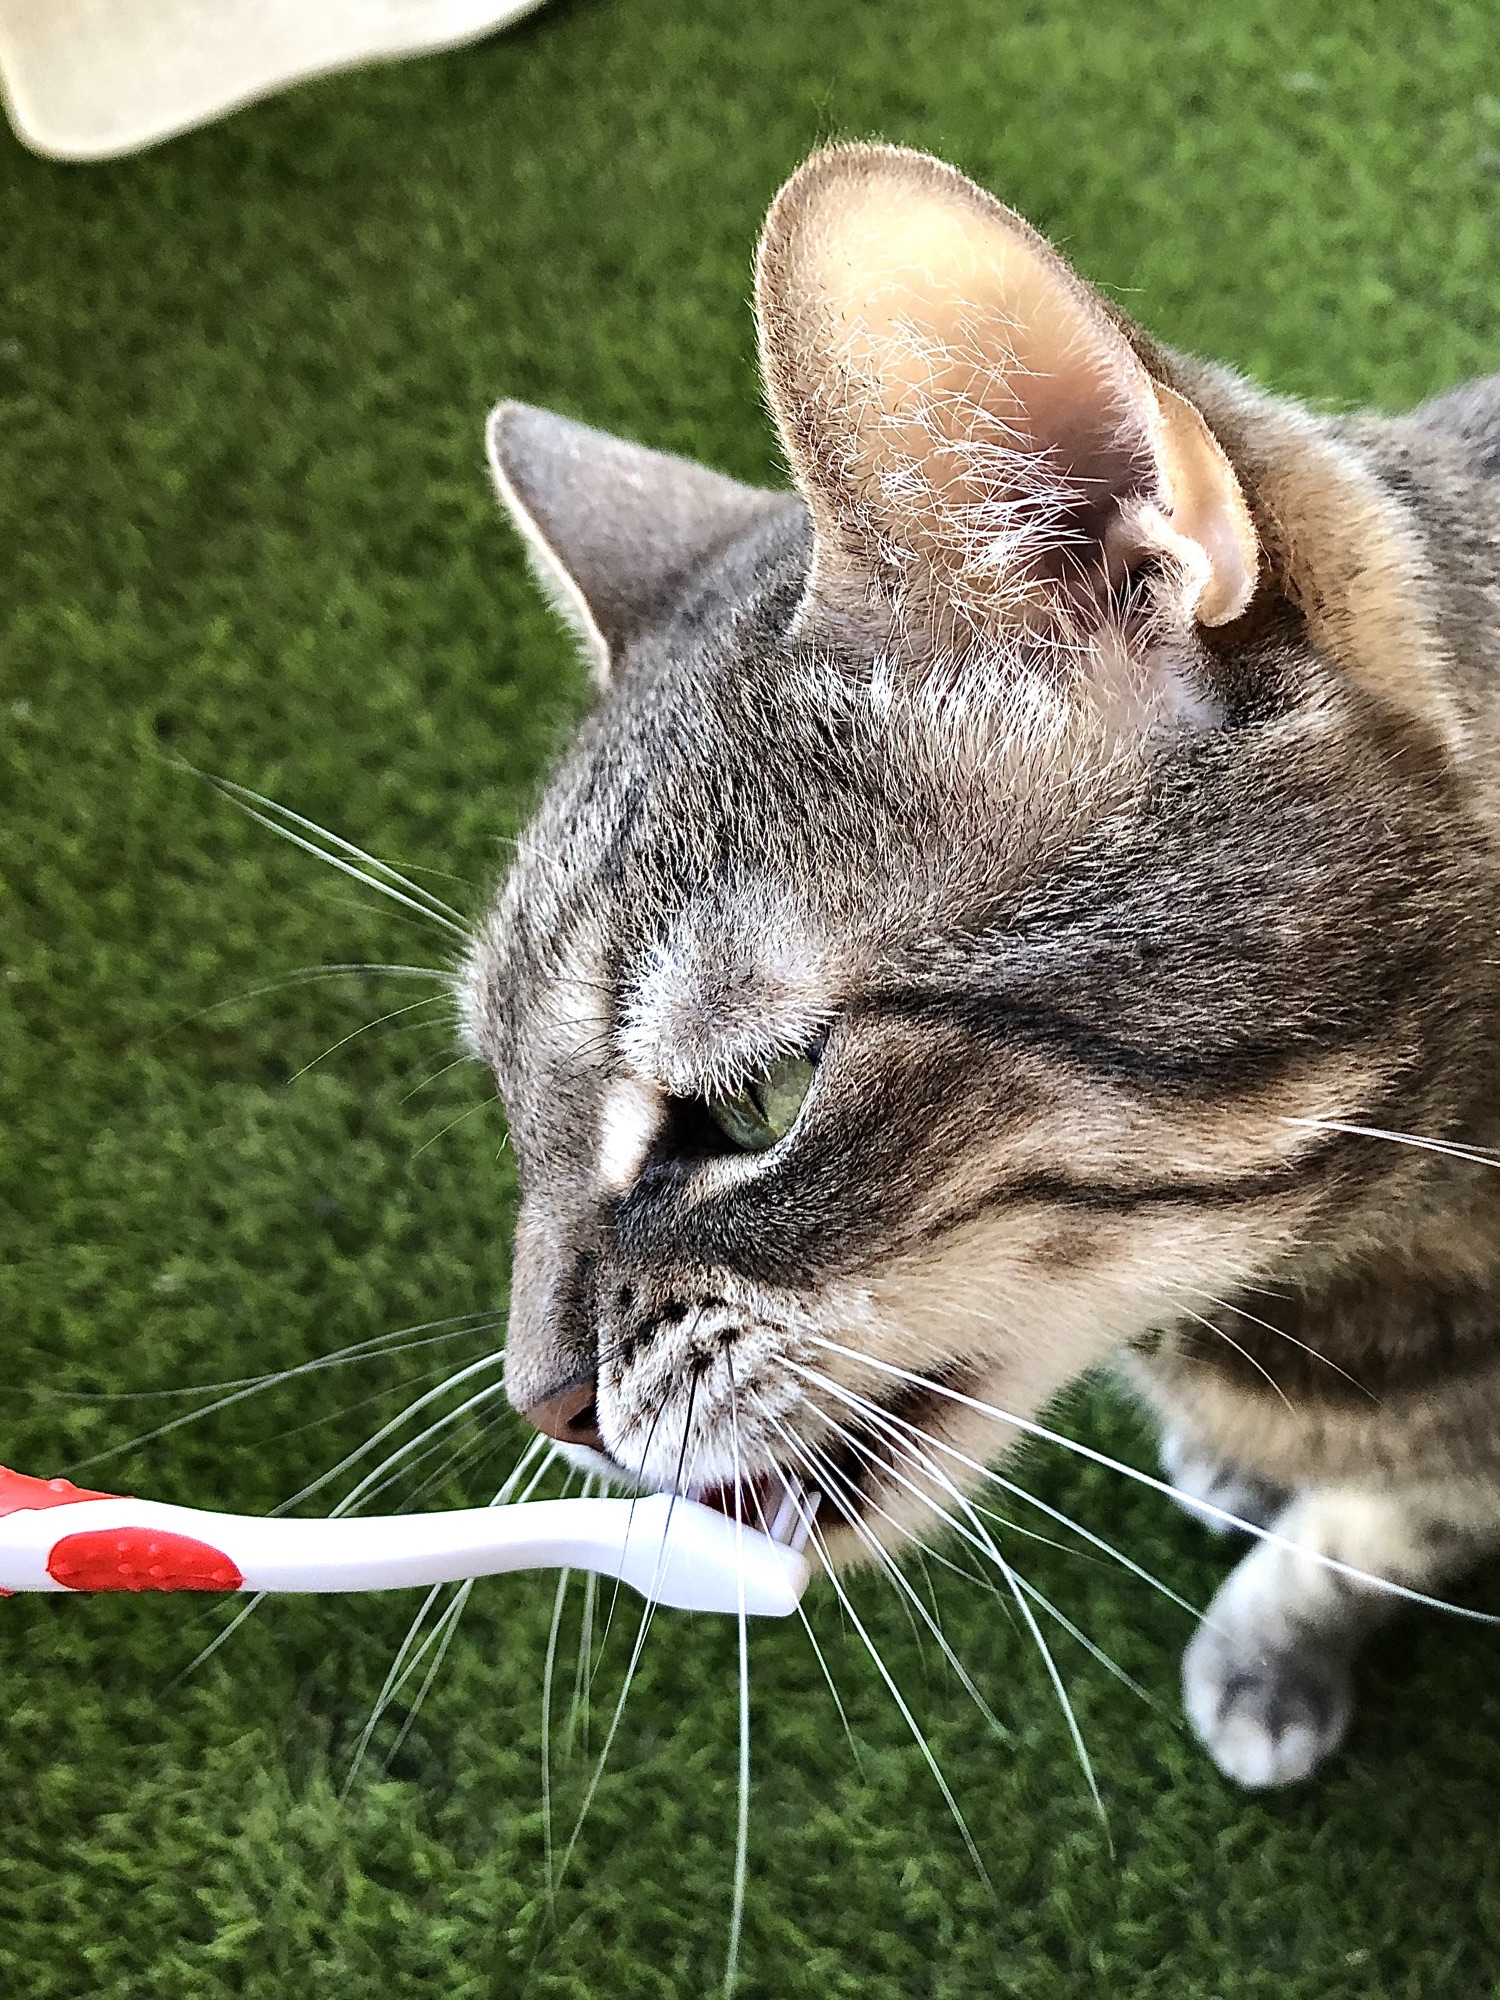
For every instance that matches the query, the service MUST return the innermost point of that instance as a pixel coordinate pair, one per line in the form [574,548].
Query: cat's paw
[1203,1482]
[1266,1718]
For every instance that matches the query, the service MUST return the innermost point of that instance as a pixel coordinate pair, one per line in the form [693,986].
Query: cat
[1013,898]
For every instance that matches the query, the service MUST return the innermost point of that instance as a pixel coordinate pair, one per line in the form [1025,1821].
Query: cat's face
[911,980]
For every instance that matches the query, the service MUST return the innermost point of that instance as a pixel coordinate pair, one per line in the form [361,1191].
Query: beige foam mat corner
[88,79]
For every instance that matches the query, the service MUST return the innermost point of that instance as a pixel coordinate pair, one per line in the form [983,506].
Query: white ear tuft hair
[979,441]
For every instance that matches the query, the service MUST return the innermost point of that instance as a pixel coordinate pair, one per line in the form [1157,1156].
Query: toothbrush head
[697,1558]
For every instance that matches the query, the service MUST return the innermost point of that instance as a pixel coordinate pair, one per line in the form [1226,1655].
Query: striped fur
[1113,871]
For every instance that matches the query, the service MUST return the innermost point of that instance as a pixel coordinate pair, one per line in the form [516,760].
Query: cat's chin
[599,1465]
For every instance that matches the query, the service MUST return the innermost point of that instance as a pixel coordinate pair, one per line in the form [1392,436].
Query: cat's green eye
[765,1107]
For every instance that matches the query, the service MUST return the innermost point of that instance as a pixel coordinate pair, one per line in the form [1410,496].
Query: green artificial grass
[245,526]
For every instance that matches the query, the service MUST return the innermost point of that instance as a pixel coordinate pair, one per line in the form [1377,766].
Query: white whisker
[1478,1156]
[583,1677]
[395,1674]
[1013,1582]
[427,1000]
[458,1062]
[742,1814]
[419,899]
[408,1660]
[810,1457]
[1228,1305]
[442,1442]
[479,1438]
[820,1657]
[303,975]
[905,1708]
[432,916]
[609,1736]
[446,1627]
[375,1346]
[639,1472]
[382,1477]
[221,1638]
[549,1667]
[912,1597]
[256,1385]
[443,1130]
[1243,1352]
[635,1655]
[387,1430]
[1059,1688]
[1029,1499]
[1029,1427]
[1094,1651]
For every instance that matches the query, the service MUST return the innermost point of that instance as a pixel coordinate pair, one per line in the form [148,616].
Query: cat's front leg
[1209,1486]
[1266,1680]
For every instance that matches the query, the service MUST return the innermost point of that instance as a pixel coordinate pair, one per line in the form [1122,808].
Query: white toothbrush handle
[669,1549]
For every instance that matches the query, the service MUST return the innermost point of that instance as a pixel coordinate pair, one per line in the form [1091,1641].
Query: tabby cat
[1014,901]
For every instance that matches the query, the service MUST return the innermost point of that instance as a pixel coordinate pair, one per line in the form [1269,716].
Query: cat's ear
[613,530]
[977,438]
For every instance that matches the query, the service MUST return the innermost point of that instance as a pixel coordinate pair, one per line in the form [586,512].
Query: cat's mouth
[882,1450]
[776,1504]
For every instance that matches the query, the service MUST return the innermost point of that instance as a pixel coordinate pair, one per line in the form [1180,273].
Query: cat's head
[914,976]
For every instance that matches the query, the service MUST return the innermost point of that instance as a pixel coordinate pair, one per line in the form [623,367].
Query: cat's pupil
[765,1107]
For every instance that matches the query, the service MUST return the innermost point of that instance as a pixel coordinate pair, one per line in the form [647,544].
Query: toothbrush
[55,1536]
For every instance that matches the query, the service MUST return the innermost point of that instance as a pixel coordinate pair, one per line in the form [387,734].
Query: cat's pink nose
[569,1416]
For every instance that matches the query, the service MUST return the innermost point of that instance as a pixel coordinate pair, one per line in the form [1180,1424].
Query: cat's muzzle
[777,1504]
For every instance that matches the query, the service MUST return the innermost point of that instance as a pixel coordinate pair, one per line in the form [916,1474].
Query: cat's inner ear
[614,530]
[979,443]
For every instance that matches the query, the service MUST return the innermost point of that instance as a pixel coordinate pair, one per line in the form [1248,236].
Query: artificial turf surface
[245,527]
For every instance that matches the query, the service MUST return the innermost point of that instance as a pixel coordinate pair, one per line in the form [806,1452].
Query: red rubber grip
[140,1559]
[21,1494]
